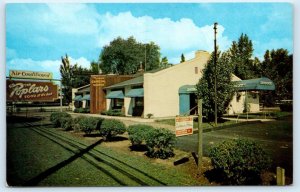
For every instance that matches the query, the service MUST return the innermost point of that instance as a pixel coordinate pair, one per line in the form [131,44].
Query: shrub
[160,143]
[138,133]
[82,110]
[111,128]
[56,117]
[149,115]
[113,112]
[239,162]
[88,124]
[286,107]
[67,123]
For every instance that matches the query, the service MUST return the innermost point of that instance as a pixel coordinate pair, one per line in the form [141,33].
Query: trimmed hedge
[56,118]
[138,133]
[82,110]
[88,124]
[111,127]
[67,123]
[160,143]
[114,112]
[239,162]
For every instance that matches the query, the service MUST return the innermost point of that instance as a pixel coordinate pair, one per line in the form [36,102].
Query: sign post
[200,139]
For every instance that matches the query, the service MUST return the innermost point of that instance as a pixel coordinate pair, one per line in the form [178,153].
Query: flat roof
[135,81]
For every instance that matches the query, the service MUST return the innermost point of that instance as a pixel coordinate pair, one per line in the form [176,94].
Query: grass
[275,137]
[40,156]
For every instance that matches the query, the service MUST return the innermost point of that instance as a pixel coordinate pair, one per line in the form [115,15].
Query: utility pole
[215,72]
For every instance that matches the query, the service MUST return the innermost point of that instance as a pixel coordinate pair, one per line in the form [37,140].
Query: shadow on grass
[34,181]
[138,148]
[116,139]
[22,119]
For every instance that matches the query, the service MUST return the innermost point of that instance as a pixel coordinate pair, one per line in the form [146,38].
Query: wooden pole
[280,176]
[200,151]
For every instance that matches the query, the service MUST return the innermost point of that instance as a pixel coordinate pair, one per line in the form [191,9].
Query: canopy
[187,89]
[136,93]
[86,97]
[78,98]
[263,84]
[115,95]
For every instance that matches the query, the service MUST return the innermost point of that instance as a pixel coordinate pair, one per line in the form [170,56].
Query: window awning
[187,89]
[86,97]
[78,98]
[115,95]
[136,93]
[259,84]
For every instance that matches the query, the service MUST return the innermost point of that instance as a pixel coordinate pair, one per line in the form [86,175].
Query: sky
[38,35]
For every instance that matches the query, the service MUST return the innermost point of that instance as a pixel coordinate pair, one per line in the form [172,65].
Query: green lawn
[41,156]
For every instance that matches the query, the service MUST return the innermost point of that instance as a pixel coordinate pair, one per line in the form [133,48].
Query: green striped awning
[136,93]
[78,98]
[263,84]
[115,95]
[86,97]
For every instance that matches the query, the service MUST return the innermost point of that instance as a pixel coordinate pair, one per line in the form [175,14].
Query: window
[196,70]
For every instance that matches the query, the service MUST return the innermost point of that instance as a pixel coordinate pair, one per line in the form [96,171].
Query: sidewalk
[244,120]
[129,120]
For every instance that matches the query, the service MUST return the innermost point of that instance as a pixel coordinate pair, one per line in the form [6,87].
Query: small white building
[81,97]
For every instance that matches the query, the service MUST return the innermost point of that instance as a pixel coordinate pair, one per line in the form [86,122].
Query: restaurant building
[165,92]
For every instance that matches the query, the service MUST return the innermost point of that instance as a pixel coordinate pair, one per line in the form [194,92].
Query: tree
[225,89]
[240,56]
[182,58]
[74,76]
[66,78]
[278,66]
[164,62]
[95,68]
[124,56]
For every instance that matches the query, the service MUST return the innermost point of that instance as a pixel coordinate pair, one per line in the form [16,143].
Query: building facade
[166,92]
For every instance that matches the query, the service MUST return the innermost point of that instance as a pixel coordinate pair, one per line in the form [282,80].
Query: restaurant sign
[30,91]
[29,74]
[183,125]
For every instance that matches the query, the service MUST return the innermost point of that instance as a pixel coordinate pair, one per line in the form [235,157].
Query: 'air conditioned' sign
[30,74]
[30,91]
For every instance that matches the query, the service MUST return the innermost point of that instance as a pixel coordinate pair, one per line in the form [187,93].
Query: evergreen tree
[225,89]
[182,58]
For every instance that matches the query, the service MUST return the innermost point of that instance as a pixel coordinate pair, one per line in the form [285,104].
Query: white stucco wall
[74,90]
[161,96]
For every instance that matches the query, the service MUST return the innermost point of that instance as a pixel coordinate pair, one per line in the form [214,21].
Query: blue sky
[37,35]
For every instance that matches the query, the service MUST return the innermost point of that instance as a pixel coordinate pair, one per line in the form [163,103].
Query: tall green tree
[124,56]
[182,58]
[73,76]
[240,56]
[95,67]
[66,78]
[225,90]
[278,66]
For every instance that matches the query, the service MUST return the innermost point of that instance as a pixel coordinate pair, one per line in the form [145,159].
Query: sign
[30,74]
[30,91]
[183,125]
[98,81]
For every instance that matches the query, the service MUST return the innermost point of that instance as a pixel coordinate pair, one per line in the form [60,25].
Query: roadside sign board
[183,125]
[30,91]
[29,74]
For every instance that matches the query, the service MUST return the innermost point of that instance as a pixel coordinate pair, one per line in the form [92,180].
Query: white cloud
[170,35]
[44,66]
